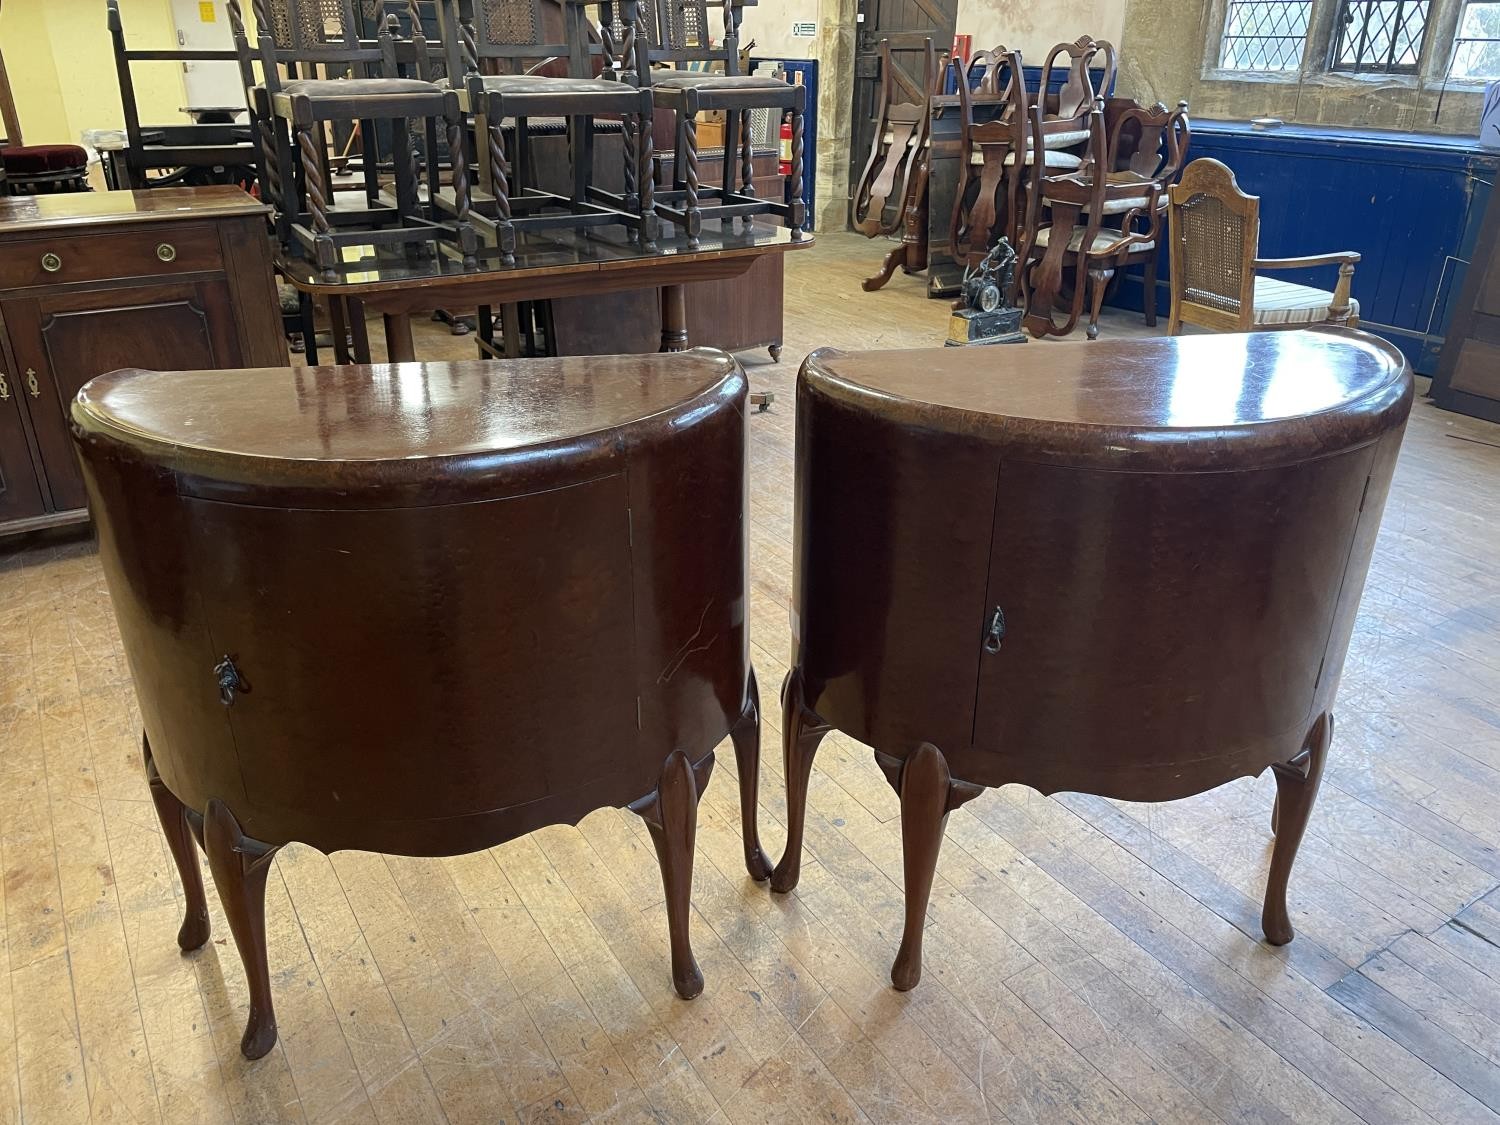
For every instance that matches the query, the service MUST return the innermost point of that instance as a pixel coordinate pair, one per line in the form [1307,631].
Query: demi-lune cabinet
[176,279]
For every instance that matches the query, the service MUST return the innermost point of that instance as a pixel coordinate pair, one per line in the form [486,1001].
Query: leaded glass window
[1383,36]
[1264,34]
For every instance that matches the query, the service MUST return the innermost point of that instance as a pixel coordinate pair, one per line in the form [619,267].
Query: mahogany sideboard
[425,609]
[1127,568]
[176,278]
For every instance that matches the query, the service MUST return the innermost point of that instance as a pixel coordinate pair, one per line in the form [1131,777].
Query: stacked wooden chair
[293,117]
[1086,226]
[176,154]
[999,137]
[500,48]
[891,196]
[677,35]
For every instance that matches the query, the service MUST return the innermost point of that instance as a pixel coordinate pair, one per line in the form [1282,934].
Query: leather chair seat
[320,88]
[37,160]
[541,84]
[698,80]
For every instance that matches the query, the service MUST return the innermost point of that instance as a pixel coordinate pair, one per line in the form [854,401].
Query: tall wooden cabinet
[176,279]
[1468,374]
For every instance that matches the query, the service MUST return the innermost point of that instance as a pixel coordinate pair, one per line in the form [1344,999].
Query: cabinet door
[1160,629]
[61,341]
[20,491]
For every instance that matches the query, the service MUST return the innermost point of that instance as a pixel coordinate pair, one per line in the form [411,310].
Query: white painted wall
[770,24]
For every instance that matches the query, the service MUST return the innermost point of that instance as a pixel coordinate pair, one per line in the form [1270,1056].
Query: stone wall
[1162,59]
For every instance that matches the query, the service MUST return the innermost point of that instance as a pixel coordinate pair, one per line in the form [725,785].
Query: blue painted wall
[808,68]
[1408,203]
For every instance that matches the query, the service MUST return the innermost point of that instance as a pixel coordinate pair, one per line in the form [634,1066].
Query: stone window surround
[1442,25]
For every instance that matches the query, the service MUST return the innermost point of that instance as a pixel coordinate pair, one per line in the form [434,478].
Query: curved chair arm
[1338,308]
[1338,258]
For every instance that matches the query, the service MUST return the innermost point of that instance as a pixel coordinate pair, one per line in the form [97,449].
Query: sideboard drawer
[95,256]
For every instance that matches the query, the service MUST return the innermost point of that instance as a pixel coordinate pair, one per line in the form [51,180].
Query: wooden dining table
[548,264]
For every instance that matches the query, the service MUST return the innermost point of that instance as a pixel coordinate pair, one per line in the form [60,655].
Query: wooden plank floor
[1088,960]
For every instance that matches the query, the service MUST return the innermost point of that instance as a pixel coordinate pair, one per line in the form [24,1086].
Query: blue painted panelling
[1406,202]
[1033,78]
[809,71]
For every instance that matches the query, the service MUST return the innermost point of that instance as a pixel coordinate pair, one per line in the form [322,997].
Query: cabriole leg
[746,738]
[240,866]
[174,826]
[928,795]
[801,732]
[1297,784]
[671,816]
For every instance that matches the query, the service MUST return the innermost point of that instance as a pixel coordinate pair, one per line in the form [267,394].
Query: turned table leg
[671,816]
[240,866]
[674,332]
[1297,784]
[174,826]
[801,731]
[746,739]
[399,346]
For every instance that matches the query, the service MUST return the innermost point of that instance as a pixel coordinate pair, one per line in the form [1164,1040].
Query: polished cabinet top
[95,208]
[375,427]
[1190,401]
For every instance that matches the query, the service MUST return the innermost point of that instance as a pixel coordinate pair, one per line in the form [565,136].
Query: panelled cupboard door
[1179,609]
[20,490]
[62,340]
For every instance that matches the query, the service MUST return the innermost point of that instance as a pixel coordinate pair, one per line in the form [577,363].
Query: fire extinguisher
[785,163]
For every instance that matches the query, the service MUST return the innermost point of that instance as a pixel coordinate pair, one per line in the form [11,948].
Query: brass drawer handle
[4,388]
[166,252]
[31,384]
[51,262]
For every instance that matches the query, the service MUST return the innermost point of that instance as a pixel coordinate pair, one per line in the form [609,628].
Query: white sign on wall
[804,29]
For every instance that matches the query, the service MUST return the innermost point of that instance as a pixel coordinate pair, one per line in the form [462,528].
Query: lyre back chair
[302,35]
[1107,215]
[679,34]
[1215,236]
[1072,66]
[891,195]
[497,46]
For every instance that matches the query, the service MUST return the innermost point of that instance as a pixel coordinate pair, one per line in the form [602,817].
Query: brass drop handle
[31,383]
[166,252]
[51,262]
[4,388]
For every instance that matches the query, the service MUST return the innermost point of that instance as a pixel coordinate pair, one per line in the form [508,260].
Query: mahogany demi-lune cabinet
[173,278]
[1123,568]
[426,608]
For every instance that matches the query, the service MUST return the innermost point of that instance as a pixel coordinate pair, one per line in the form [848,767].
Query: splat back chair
[995,125]
[891,195]
[1216,282]
[1083,71]
[679,34]
[303,34]
[497,45]
[1106,216]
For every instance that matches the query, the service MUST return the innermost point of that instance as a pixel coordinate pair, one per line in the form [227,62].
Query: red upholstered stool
[35,169]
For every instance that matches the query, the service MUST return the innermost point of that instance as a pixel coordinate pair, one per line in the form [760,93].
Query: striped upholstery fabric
[1104,240]
[1281,302]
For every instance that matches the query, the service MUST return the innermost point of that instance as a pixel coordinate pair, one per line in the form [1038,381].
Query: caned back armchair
[1216,283]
